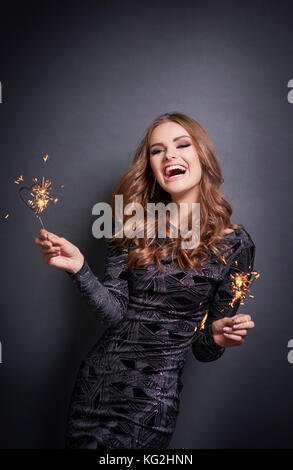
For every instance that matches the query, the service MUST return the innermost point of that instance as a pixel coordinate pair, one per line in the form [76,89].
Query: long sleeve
[204,347]
[107,298]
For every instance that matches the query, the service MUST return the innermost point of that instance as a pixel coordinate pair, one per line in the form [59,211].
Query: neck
[187,198]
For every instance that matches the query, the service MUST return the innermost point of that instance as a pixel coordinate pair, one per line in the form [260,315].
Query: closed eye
[157,151]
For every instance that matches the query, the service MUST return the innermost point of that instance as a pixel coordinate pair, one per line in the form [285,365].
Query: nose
[168,156]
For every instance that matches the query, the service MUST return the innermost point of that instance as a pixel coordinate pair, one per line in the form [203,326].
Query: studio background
[81,81]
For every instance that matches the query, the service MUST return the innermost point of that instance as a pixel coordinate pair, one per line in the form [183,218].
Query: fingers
[245,324]
[47,259]
[241,317]
[43,234]
[239,326]
[42,243]
[54,238]
[52,251]
[228,321]
[238,329]
[242,333]
[238,319]
[52,254]
[47,239]
[236,338]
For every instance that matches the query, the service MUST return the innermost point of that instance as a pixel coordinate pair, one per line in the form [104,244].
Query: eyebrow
[176,138]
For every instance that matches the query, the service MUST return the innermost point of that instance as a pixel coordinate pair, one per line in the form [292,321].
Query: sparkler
[240,287]
[40,196]
[40,192]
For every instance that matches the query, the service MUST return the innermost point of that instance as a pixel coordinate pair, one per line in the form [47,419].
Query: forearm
[204,346]
[109,302]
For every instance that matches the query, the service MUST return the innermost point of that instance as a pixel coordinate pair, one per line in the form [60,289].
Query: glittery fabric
[127,391]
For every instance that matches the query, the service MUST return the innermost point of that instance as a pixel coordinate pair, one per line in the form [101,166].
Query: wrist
[213,329]
[78,265]
[214,333]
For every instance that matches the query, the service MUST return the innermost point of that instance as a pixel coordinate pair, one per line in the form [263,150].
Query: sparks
[20,178]
[240,285]
[202,325]
[41,195]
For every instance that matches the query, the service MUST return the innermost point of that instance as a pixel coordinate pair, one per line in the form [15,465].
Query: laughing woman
[157,299]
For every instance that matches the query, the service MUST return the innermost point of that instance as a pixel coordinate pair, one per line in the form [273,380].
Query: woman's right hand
[59,252]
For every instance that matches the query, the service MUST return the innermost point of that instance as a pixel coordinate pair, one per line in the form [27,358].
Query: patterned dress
[127,390]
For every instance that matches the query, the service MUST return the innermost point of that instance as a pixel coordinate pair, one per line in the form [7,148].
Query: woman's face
[170,144]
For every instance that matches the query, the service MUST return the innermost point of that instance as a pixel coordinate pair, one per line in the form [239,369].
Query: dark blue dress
[127,391]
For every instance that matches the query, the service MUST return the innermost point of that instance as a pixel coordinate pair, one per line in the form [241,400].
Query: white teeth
[172,167]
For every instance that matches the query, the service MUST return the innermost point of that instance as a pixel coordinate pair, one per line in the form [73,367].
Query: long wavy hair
[215,211]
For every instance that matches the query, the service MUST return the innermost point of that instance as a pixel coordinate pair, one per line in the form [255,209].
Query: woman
[157,299]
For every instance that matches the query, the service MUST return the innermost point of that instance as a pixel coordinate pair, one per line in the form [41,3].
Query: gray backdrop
[81,81]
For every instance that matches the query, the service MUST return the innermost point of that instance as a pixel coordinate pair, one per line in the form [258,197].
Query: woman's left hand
[231,331]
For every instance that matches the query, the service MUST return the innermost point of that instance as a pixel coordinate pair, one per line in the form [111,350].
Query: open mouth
[174,172]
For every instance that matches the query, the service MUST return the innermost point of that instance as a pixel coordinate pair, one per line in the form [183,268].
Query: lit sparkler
[240,285]
[40,193]
[40,196]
